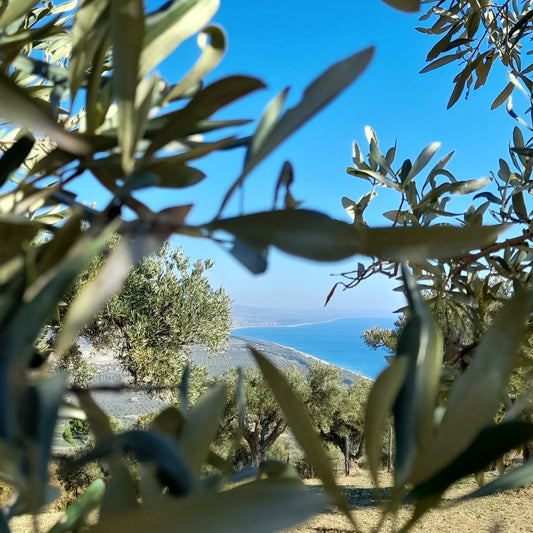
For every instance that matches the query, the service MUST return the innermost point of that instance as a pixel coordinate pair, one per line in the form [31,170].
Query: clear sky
[288,43]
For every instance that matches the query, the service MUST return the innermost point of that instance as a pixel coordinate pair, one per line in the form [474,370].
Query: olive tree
[338,410]
[262,420]
[164,307]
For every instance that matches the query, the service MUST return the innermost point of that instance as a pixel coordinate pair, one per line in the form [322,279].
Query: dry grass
[511,511]
[508,512]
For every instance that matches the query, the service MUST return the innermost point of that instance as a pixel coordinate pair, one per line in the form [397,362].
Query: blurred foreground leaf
[78,511]
[476,395]
[262,506]
[302,429]
[315,236]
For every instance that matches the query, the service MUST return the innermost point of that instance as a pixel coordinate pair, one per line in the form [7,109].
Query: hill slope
[236,354]
[127,405]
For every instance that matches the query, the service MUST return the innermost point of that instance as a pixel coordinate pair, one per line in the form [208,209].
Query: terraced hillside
[127,405]
[236,354]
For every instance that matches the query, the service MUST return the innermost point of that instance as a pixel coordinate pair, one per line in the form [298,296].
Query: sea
[336,341]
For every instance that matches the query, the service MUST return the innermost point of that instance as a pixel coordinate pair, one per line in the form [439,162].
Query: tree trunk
[346,455]
[389,455]
[252,438]
[260,440]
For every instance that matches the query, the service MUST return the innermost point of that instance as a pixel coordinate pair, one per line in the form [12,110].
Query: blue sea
[337,341]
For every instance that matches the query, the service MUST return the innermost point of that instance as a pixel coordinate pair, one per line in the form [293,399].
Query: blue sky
[288,43]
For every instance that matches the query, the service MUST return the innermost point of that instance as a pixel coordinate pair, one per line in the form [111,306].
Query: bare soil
[511,511]
[507,512]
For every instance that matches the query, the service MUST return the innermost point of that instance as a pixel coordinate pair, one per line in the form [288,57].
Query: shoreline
[305,354]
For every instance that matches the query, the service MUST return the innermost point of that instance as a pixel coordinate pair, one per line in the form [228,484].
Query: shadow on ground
[359,498]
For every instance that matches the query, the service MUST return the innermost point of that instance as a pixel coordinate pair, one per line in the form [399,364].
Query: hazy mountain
[244,316]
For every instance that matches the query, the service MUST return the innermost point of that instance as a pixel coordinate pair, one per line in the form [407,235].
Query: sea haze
[336,341]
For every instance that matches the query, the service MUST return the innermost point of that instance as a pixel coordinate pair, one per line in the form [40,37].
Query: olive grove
[135,130]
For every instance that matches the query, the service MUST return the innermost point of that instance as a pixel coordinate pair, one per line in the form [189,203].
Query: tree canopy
[164,307]
[335,409]
[338,410]
[262,419]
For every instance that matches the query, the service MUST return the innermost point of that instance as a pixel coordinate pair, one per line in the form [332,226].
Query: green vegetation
[164,307]
[335,409]
[103,53]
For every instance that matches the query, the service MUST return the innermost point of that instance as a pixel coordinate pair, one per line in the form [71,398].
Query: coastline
[336,341]
[298,354]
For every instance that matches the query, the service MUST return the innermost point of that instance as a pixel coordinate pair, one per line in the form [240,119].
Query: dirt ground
[507,512]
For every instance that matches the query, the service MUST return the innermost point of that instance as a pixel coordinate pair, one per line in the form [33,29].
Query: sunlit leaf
[421,344]
[98,95]
[469,186]
[212,42]
[88,31]
[18,108]
[403,217]
[512,113]
[201,426]
[127,30]
[302,429]
[422,160]
[377,158]
[14,10]
[170,421]
[368,174]
[167,28]
[319,93]
[145,96]
[78,511]
[350,207]
[316,95]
